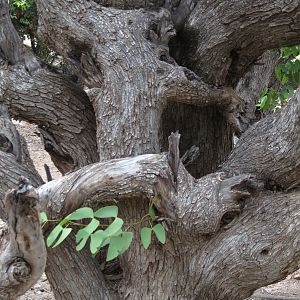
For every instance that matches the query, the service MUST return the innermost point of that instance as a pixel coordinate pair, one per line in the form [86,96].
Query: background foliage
[25,19]
[288,76]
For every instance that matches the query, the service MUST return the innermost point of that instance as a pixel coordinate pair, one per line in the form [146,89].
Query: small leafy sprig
[101,234]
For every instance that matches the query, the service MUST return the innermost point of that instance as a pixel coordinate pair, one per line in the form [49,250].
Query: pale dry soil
[288,289]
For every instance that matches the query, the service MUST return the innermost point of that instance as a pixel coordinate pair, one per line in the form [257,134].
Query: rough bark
[248,225]
[221,39]
[136,77]
[15,163]
[66,121]
[23,252]
[260,76]
[73,275]
[123,58]
[46,98]
[275,148]
[204,127]
[53,102]
[14,158]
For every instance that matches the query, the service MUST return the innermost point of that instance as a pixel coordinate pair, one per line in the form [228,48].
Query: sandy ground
[288,289]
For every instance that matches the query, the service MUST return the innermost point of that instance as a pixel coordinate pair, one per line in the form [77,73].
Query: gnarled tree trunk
[150,69]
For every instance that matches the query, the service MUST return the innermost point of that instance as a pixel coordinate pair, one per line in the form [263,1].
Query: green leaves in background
[288,75]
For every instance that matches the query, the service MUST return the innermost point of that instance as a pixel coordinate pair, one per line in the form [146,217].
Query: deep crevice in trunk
[204,127]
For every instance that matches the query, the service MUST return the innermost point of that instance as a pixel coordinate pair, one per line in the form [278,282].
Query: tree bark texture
[236,215]
[225,229]
[23,252]
[136,77]
[50,100]
[228,37]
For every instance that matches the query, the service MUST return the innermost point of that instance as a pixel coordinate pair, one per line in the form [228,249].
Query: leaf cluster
[288,75]
[104,228]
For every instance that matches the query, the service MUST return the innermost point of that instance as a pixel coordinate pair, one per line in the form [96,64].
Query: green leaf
[263,92]
[92,226]
[278,72]
[54,234]
[151,212]
[127,238]
[105,242]
[118,245]
[263,102]
[43,217]
[82,243]
[81,234]
[107,212]
[64,221]
[115,248]
[114,227]
[64,234]
[284,79]
[160,233]
[81,213]
[146,237]
[84,233]
[97,239]
[290,91]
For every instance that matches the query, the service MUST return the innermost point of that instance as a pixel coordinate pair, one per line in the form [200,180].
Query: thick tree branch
[222,39]
[61,109]
[116,80]
[210,210]
[23,252]
[205,210]
[15,161]
[270,149]
[115,178]
[258,248]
